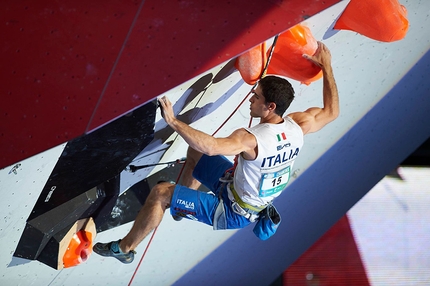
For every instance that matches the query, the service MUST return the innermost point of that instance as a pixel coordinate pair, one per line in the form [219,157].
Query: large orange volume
[251,64]
[381,20]
[287,59]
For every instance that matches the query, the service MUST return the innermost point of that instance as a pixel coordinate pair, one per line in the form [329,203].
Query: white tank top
[259,181]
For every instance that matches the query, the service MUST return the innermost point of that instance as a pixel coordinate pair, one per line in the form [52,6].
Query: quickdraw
[133,168]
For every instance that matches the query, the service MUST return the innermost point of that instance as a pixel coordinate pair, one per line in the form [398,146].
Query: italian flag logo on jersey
[281,137]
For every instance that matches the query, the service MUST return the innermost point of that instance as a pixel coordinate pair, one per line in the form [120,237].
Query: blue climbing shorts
[202,206]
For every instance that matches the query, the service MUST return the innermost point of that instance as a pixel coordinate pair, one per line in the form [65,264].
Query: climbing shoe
[112,249]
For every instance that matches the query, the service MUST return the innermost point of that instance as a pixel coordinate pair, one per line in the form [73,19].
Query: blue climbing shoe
[112,249]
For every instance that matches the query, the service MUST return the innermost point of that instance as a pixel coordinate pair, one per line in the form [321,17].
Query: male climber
[266,153]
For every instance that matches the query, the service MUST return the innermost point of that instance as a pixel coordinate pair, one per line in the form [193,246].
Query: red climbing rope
[143,255]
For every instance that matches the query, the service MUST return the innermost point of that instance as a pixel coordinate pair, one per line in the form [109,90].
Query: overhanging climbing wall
[69,68]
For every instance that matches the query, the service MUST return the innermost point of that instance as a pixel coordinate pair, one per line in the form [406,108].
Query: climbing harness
[237,205]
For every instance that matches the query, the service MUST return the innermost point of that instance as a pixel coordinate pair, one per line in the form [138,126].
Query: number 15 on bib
[272,183]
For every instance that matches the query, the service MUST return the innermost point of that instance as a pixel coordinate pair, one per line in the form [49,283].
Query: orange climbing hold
[251,64]
[79,249]
[287,59]
[381,20]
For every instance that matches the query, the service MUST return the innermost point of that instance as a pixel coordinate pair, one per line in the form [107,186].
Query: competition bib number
[271,183]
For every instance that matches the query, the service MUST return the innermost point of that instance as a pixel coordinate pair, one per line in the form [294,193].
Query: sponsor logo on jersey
[280,147]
